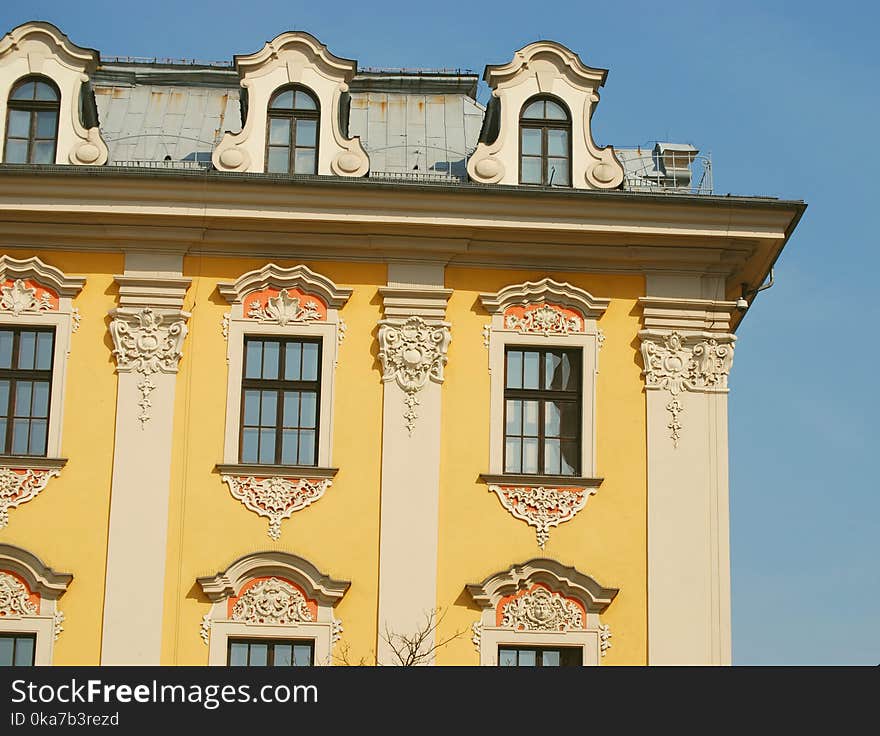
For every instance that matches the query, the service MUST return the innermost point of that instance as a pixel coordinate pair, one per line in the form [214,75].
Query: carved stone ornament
[14,598]
[22,299]
[542,507]
[276,498]
[18,486]
[284,309]
[677,363]
[544,320]
[412,352]
[272,601]
[477,638]
[542,610]
[604,636]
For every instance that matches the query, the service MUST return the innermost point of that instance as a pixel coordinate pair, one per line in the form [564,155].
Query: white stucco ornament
[271,601]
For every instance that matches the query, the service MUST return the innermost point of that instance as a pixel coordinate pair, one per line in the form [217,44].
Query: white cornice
[274,276]
[55,41]
[40,578]
[546,290]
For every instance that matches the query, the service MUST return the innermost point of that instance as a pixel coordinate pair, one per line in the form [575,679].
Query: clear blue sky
[785,97]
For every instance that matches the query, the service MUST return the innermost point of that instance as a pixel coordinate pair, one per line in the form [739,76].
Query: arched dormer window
[292,135]
[545,143]
[32,122]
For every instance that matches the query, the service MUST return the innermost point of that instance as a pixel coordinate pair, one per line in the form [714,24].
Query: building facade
[298,362]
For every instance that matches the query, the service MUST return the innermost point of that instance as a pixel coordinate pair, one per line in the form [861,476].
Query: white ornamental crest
[144,343]
[283,309]
[272,601]
[14,599]
[276,498]
[19,299]
[18,488]
[542,508]
[542,610]
[545,320]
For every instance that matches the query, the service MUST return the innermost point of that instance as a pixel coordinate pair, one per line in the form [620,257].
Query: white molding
[19,485]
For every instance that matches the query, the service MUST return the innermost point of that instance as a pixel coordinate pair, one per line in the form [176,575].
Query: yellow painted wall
[208,528]
[607,539]
[66,525]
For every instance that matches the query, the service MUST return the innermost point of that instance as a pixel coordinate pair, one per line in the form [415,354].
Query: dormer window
[292,136]
[32,122]
[545,143]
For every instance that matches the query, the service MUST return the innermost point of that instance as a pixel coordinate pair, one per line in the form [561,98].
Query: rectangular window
[17,650]
[280,398]
[540,657]
[542,411]
[25,387]
[271,653]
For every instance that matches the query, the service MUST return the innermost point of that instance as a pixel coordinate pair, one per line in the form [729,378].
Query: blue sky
[784,96]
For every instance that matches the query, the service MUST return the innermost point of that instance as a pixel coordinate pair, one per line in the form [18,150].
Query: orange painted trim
[51,296]
[262,297]
[32,597]
[519,311]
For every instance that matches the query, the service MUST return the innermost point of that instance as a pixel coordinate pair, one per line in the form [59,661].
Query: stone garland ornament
[541,610]
[542,507]
[674,366]
[546,320]
[276,498]
[284,309]
[14,599]
[272,601]
[146,342]
[18,486]
[604,636]
[412,352]
[21,299]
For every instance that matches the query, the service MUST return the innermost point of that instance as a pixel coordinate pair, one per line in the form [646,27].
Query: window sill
[275,471]
[516,479]
[32,462]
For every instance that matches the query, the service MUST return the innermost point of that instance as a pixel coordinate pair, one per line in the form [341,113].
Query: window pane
[553,111]
[259,654]
[310,361]
[551,456]
[550,658]
[302,655]
[24,91]
[527,657]
[252,407]
[292,361]
[26,346]
[512,453]
[269,409]
[267,446]
[23,398]
[3,425]
[16,152]
[45,92]
[284,100]
[530,455]
[24,651]
[40,405]
[19,124]
[270,359]
[279,160]
[507,658]
[5,349]
[38,437]
[279,131]
[551,419]
[7,644]
[552,361]
[304,161]
[530,369]
[43,152]
[282,654]
[308,415]
[557,143]
[20,436]
[530,418]
[46,122]
[570,457]
[568,424]
[249,442]
[4,398]
[514,417]
[535,110]
[290,447]
[44,351]
[531,141]
[238,654]
[291,409]
[304,101]
[254,359]
[531,170]
[307,447]
[306,132]
[557,171]
[514,369]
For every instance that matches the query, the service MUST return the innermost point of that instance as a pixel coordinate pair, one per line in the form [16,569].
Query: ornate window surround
[29,593]
[543,313]
[267,302]
[575,601]
[314,591]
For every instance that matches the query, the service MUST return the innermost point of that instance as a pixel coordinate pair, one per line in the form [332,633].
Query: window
[292,135]
[26,356]
[541,657]
[32,122]
[280,398]
[17,650]
[545,143]
[542,411]
[270,653]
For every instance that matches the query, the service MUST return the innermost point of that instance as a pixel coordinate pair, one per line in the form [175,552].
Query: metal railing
[165,60]
[666,170]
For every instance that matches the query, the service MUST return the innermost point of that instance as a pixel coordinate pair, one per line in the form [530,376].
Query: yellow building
[298,363]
